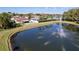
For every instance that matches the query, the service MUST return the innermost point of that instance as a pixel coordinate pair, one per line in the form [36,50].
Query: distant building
[33,20]
[57,16]
[20,19]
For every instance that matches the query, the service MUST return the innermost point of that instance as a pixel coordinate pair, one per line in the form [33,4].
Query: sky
[50,10]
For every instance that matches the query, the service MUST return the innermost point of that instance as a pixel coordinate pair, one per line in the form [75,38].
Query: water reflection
[46,43]
[44,28]
[56,37]
[40,37]
[71,27]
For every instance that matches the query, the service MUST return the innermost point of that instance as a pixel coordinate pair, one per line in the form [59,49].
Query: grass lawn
[6,34]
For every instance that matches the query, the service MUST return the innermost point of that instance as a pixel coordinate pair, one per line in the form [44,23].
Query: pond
[54,37]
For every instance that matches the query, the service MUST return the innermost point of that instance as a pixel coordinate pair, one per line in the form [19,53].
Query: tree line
[71,15]
[5,18]
[5,21]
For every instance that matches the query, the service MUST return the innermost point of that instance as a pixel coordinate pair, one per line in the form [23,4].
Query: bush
[18,25]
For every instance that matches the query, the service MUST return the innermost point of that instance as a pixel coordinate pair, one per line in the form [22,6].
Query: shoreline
[11,37]
[14,34]
[8,35]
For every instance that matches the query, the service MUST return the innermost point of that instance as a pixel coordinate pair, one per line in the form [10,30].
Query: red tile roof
[21,19]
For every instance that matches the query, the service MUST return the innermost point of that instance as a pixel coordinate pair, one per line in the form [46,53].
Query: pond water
[54,37]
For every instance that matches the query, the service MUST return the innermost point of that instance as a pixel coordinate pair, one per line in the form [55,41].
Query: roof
[20,19]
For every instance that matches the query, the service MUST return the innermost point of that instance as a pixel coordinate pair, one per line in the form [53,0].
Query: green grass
[6,34]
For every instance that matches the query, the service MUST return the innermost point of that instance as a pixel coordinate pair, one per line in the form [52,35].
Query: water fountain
[60,30]
[61,33]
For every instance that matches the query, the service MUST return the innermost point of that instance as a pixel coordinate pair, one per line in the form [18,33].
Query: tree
[5,21]
[71,15]
[30,15]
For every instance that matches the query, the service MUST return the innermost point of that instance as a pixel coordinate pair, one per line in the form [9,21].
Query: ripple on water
[46,43]
[39,37]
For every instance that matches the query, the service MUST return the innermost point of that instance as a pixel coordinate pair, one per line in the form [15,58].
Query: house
[34,19]
[20,19]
